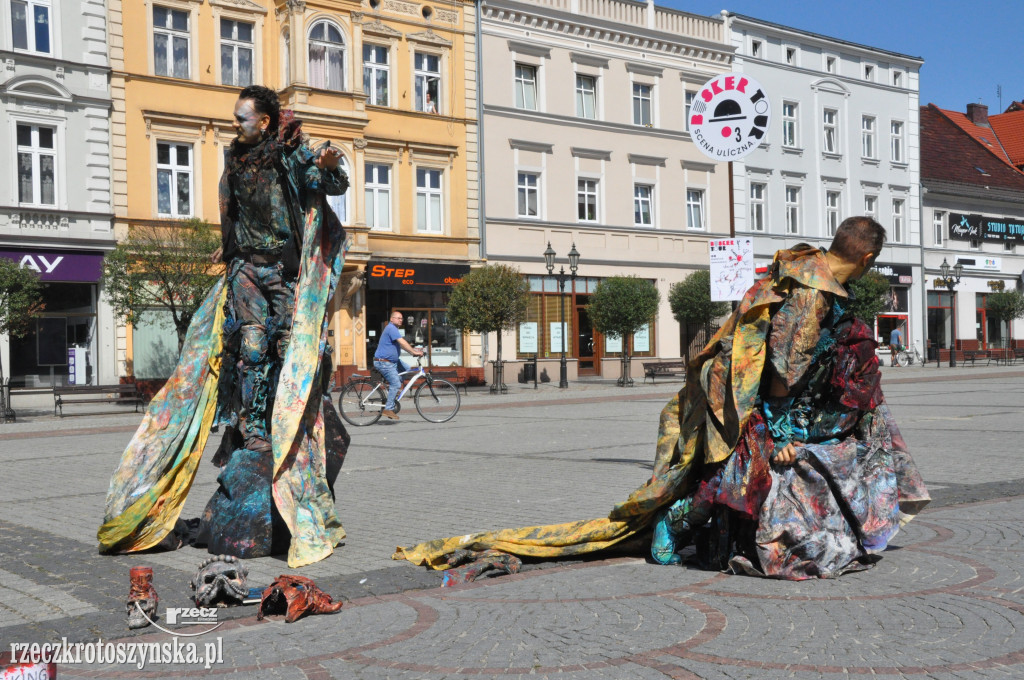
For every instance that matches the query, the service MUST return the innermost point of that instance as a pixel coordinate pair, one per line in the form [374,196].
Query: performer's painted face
[249,123]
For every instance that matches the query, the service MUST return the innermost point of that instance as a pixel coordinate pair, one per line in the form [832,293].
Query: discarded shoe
[295,596]
[143,594]
[388,413]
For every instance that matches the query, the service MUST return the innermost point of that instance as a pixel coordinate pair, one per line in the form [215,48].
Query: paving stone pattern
[945,602]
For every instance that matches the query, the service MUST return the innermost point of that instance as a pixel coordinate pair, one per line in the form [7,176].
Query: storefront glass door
[588,345]
[68,322]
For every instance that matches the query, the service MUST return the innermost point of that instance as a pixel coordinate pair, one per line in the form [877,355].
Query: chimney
[978,113]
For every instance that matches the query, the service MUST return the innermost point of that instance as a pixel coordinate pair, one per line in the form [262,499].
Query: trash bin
[529,372]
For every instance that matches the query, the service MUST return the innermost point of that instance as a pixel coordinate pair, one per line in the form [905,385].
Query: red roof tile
[983,134]
[1009,127]
[950,152]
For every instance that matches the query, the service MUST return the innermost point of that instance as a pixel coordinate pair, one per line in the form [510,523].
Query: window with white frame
[758,191]
[897,220]
[896,129]
[939,226]
[688,98]
[378,196]
[871,206]
[642,104]
[792,210]
[171,40]
[867,136]
[695,209]
[897,78]
[756,46]
[832,212]
[586,200]
[528,194]
[427,81]
[173,179]
[869,72]
[790,130]
[643,205]
[376,73]
[586,96]
[326,57]
[30,25]
[1009,247]
[791,55]
[830,130]
[429,203]
[830,63]
[236,52]
[974,244]
[37,157]
[526,87]
[339,202]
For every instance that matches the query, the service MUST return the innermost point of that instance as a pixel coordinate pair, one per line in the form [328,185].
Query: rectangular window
[36,165]
[586,96]
[832,211]
[428,82]
[758,190]
[830,64]
[792,210]
[869,72]
[897,142]
[641,104]
[897,78]
[755,48]
[236,49]
[1009,246]
[830,129]
[789,124]
[643,205]
[695,209]
[378,196]
[30,25]
[871,206]
[586,200]
[974,244]
[527,194]
[526,87]
[428,200]
[897,220]
[939,226]
[687,106]
[375,74]
[173,179]
[170,42]
[867,136]
[791,56]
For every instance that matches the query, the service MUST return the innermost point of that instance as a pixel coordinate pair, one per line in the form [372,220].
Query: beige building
[585,143]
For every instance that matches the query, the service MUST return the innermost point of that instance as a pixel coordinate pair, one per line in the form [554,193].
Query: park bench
[95,394]
[664,369]
[1014,354]
[973,355]
[453,378]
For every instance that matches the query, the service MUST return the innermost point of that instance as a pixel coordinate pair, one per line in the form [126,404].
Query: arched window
[340,203]
[326,57]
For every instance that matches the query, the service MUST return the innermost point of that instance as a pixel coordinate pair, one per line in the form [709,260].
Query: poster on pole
[528,337]
[729,118]
[732,268]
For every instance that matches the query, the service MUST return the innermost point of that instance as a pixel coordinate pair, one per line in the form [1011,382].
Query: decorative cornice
[527,145]
[429,37]
[588,60]
[644,69]
[376,27]
[400,7]
[244,5]
[638,159]
[595,154]
[529,48]
[697,166]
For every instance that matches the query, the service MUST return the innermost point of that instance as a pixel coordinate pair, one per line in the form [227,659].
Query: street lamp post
[561,276]
[951,283]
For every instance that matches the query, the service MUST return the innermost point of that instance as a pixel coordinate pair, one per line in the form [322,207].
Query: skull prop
[142,598]
[220,582]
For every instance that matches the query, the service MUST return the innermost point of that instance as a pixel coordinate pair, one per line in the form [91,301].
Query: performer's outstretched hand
[328,158]
[787,456]
[215,257]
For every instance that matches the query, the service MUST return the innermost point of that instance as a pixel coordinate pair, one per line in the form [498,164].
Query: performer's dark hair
[856,237]
[264,100]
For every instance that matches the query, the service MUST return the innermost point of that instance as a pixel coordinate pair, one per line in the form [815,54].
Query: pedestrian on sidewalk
[387,362]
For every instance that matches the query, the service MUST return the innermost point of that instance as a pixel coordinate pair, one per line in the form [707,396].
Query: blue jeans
[390,372]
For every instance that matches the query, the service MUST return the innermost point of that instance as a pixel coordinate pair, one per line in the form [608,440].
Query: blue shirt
[895,338]
[387,348]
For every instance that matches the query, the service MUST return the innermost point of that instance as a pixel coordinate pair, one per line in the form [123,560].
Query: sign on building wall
[970,227]
[732,268]
[528,337]
[730,116]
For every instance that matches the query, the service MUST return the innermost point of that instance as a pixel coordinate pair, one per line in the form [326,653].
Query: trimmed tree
[21,300]
[622,305]
[690,301]
[165,267]
[491,299]
[869,296]
[1006,305]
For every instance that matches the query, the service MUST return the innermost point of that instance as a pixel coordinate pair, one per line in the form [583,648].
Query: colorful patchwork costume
[254,350]
[846,496]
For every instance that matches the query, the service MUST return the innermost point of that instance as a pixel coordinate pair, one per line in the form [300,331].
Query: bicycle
[364,397]
[905,358]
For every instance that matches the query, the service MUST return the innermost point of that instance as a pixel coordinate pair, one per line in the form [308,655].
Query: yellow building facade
[391,83]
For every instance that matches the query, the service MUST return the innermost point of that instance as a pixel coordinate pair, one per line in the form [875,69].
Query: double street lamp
[561,276]
[951,283]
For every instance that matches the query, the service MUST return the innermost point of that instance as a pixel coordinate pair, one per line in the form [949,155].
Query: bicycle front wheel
[903,358]
[437,401]
[361,402]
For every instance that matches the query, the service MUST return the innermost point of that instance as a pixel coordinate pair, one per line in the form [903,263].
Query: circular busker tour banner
[730,117]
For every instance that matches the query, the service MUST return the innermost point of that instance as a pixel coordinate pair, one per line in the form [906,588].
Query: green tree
[1006,305]
[21,299]
[869,296]
[622,305]
[165,267]
[490,299]
[690,300]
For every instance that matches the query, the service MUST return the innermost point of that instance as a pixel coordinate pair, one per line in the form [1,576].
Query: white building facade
[844,141]
[55,198]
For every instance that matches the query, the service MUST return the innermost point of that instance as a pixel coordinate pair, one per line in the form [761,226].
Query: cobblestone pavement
[947,601]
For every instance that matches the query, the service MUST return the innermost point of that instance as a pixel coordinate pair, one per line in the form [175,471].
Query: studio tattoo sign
[730,117]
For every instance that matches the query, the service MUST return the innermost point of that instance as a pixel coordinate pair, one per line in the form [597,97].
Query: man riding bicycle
[387,363]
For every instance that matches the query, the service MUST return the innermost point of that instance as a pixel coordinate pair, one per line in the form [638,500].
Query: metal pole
[952,345]
[563,371]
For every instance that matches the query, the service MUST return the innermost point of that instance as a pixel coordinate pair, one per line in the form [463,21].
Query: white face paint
[247,122]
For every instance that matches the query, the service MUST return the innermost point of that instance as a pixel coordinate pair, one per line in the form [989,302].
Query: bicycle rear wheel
[361,402]
[437,401]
